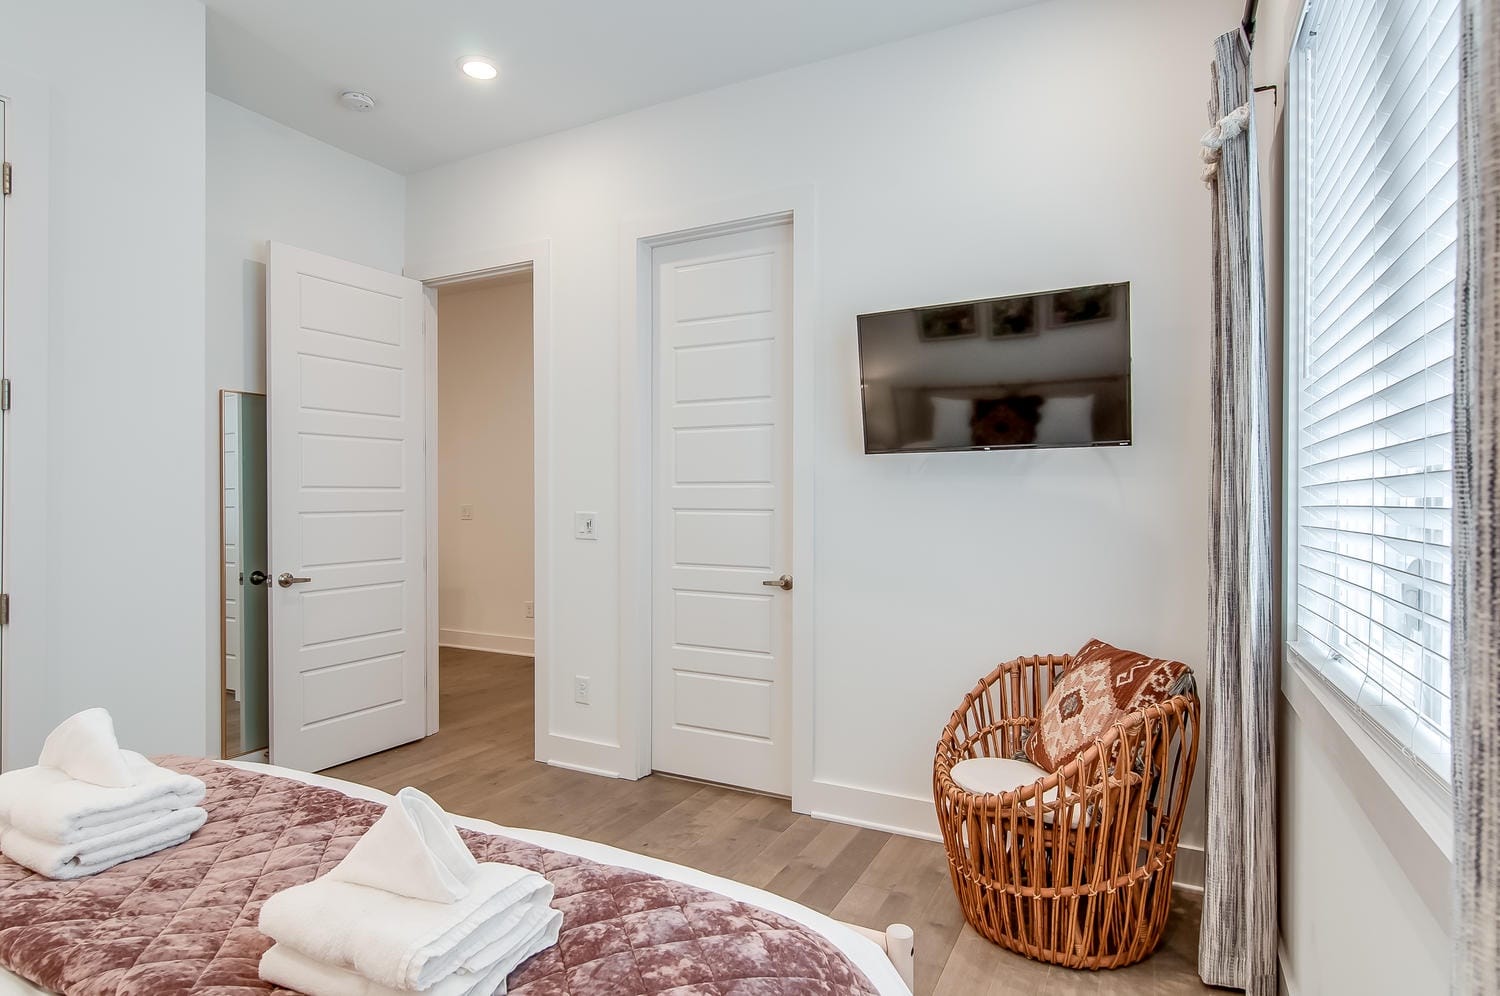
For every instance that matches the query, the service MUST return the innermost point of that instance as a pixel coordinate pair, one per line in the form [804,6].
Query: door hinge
[5,171]
[4,610]
[5,395]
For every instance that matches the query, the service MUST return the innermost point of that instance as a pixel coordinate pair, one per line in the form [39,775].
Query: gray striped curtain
[1476,521]
[1237,947]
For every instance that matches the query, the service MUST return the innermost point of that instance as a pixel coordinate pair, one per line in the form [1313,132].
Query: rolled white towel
[397,941]
[84,746]
[286,967]
[50,805]
[413,850]
[78,859]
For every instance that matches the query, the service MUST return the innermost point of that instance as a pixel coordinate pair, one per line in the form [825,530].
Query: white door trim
[26,334]
[638,237]
[450,270]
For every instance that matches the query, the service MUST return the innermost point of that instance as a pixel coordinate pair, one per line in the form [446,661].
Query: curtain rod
[1248,24]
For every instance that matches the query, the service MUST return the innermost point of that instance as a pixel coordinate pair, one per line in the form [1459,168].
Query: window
[1371,194]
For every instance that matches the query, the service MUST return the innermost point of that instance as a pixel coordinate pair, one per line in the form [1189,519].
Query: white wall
[267,182]
[107,537]
[485,433]
[1366,892]
[1049,147]
[1359,874]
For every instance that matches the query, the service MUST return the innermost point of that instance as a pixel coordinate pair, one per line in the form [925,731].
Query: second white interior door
[721,641]
[346,489]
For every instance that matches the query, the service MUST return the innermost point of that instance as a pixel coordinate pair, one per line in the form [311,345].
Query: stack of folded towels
[87,805]
[409,909]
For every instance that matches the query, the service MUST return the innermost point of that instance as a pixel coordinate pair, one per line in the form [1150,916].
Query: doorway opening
[485,491]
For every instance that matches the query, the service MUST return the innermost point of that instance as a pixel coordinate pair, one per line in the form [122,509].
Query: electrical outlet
[530,610]
[466,512]
[581,689]
[586,525]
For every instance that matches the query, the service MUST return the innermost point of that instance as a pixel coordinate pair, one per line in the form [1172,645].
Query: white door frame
[452,270]
[638,238]
[24,710]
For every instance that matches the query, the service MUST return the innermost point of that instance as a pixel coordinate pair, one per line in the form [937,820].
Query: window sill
[1428,803]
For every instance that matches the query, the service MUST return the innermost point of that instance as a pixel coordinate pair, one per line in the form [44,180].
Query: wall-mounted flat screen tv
[1031,371]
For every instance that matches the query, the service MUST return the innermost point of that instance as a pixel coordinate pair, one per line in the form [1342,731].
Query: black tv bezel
[1129,440]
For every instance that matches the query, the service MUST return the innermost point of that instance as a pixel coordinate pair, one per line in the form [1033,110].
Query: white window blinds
[1373,187]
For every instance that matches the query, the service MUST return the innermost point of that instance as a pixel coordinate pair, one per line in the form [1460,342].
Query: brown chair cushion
[1102,684]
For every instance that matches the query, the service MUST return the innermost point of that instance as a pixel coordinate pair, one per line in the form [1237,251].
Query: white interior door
[721,628]
[346,493]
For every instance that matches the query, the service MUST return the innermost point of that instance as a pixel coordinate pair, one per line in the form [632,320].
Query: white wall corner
[1189,873]
[1286,984]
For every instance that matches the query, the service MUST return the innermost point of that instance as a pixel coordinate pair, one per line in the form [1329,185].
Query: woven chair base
[1105,930]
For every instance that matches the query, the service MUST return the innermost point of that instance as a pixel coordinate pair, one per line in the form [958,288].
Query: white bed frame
[899,942]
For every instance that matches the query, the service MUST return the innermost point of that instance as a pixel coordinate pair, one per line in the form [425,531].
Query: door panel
[347,491]
[721,638]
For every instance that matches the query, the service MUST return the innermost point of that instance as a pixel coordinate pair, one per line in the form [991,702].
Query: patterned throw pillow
[1101,685]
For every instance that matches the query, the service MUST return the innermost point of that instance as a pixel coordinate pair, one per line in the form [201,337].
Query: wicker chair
[1076,868]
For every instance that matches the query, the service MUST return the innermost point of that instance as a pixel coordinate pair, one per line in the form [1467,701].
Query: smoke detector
[357,100]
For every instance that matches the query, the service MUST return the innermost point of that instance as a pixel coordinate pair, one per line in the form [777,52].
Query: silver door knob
[259,577]
[784,583]
[286,580]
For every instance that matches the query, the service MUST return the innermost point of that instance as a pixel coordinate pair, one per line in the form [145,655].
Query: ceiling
[562,63]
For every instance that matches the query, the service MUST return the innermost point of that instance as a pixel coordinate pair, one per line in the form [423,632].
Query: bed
[883,958]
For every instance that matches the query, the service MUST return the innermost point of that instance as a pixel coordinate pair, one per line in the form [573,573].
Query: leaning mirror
[243,621]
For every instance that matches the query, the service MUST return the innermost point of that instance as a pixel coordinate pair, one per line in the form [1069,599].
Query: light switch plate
[466,512]
[586,525]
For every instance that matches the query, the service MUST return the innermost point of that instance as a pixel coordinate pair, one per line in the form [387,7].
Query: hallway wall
[485,431]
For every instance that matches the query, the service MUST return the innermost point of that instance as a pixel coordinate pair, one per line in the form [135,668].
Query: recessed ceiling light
[477,67]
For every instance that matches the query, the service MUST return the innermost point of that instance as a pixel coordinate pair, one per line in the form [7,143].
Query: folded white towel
[290,969]
[534,931]
[399,942]
[84,746]
[49,805]
[413,850]
[75,860]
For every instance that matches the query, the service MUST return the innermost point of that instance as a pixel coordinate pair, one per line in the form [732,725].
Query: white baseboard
[494,643]
[592,757]
[583,768]
[873,809]
[915,816]
[837,802]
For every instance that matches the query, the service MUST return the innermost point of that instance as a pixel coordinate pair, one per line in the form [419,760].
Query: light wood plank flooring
[480,765]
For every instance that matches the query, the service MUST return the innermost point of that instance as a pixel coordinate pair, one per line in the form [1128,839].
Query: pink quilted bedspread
[183,920]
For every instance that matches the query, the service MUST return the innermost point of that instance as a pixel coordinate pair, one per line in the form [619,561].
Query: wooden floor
[480,765]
